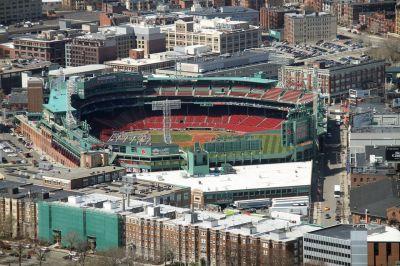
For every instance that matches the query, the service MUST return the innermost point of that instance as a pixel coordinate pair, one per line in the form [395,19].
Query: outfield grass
[272,144]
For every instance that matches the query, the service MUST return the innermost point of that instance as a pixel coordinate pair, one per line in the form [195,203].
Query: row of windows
[251,193]
[330,252]
[327,260]
[319,242]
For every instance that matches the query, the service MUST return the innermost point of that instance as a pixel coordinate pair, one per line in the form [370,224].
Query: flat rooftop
[69,71]
[243,224]
[141,190]
[106,203]
[341,231]
[18,190]
[76,173]
[137,62]
[389,235]
[20,65]
[245,177]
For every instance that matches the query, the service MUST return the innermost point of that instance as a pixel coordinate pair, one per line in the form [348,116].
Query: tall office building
[222,35]
[309,28]
[342,244]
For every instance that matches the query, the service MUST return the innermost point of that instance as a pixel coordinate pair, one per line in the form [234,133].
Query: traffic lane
[329,199]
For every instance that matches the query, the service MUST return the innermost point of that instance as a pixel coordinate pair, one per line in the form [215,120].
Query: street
[330,210]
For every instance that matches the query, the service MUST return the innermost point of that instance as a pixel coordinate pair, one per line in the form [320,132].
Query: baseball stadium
[153,123]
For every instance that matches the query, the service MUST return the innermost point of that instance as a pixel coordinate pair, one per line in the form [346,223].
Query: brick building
[213,238]
[334,79]
[48,46]
[253,4]
[376,202]
[378,22]
[112,19]
[273,18]
[349,12]
[90,50]
[7,50]
[12,11]
[309,28]
[358,180]
[383,246]
[314,5]
[18,209]
[35,95]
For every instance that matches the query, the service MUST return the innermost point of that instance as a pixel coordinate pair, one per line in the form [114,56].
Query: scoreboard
[296,131]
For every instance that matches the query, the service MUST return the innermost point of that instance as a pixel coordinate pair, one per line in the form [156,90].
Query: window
[376,249]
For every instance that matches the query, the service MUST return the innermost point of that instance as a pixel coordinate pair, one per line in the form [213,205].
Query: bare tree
[72,239]
[82,249]
[388,50]
[19,250]
[280,257]
[40,254]
[112,257]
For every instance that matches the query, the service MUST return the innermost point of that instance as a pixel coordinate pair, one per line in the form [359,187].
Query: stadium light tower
[71,89]
[166,106]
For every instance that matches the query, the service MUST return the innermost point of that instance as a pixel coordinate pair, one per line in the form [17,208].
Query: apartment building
[335,78]
[211,238]
[18,207]
[48,46]
[87,50]
[221,35]
[12,11]
[309,28]
[274,17]
[378,23]
[348,13]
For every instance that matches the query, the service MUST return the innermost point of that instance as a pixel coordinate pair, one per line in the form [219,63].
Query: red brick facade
[154,239]
[383,254]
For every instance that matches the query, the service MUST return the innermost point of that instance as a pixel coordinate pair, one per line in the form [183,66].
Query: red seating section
[218,118]
[291,96]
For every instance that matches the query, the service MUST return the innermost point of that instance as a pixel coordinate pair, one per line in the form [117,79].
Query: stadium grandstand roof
[58,100]
[232,79]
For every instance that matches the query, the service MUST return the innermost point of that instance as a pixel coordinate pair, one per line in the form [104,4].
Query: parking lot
[320,49]
[10,153]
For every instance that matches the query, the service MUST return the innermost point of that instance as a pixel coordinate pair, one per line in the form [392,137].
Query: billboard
[393,153]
